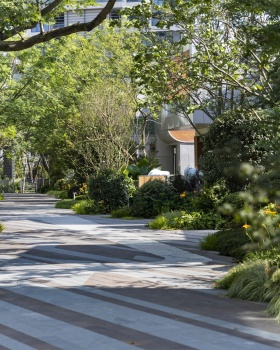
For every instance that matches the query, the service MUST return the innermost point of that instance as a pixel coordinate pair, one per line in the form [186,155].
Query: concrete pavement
[91,282]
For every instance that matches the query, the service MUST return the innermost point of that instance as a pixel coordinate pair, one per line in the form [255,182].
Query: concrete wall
[165,155]
[186,156]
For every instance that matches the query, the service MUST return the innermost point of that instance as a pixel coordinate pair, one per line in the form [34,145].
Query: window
[114,14]
[59,23]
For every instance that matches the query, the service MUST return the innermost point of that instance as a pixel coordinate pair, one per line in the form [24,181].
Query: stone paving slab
[91,282]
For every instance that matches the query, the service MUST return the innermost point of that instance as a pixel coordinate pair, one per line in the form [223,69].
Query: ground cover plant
[121,213]
[198,209]
[59,194]
[65,204]
[187,221]
[85,207]
[257,278]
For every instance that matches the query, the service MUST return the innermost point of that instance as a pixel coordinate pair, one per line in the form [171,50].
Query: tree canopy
[227,55]
[18,16]
[74,103]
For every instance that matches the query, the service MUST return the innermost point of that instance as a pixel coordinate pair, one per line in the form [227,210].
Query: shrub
[210,197]
[152,199]
[254,281]
[274,304]
[73,189]
[121,213]
[231,242]
[273,294]
[10,186]
[226,281]
[199,221]
[85,207]
[1,197]
[209,242]
[65,204]
[234,138]
[160,222]
[81,197]
[179,183]
[165,221]
[1,227]
[111,188]
[184,201]
[272,254]
[250,280]
[58,194]
[187,221]
[234,200]
[44,189]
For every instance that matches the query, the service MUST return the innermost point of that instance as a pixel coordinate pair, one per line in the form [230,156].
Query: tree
[222,61]
[18,16]
[107,118]
[47,112]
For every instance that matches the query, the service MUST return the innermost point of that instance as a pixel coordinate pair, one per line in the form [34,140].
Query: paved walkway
[90,282]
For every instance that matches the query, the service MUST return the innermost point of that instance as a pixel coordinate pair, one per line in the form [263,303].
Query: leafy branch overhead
[225,54]
[18,16]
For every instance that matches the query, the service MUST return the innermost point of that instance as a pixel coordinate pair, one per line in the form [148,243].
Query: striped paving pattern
[73,282]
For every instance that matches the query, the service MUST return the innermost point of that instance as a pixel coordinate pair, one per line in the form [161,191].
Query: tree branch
[55,33]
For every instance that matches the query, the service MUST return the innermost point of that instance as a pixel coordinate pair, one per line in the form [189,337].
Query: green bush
[10,186]
[111,188]
[81,197]
[272,254]
[210,197]
[184,202]
[274,304]
[234,200]
[165,221]
[85,207]
[226,281]
[187,221]
[45,188]
[273,294]
[179,182]
[209,242]
[159,223]
[58,194]
[199,221]
[65,204]
[1,197]
[152,199]
[230,242]
[1,227]
[233,243]
[121,213]
[235,137]
[250,280]
[256,280]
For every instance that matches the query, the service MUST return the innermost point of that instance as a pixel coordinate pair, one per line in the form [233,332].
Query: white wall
[165,155]
[186,156]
